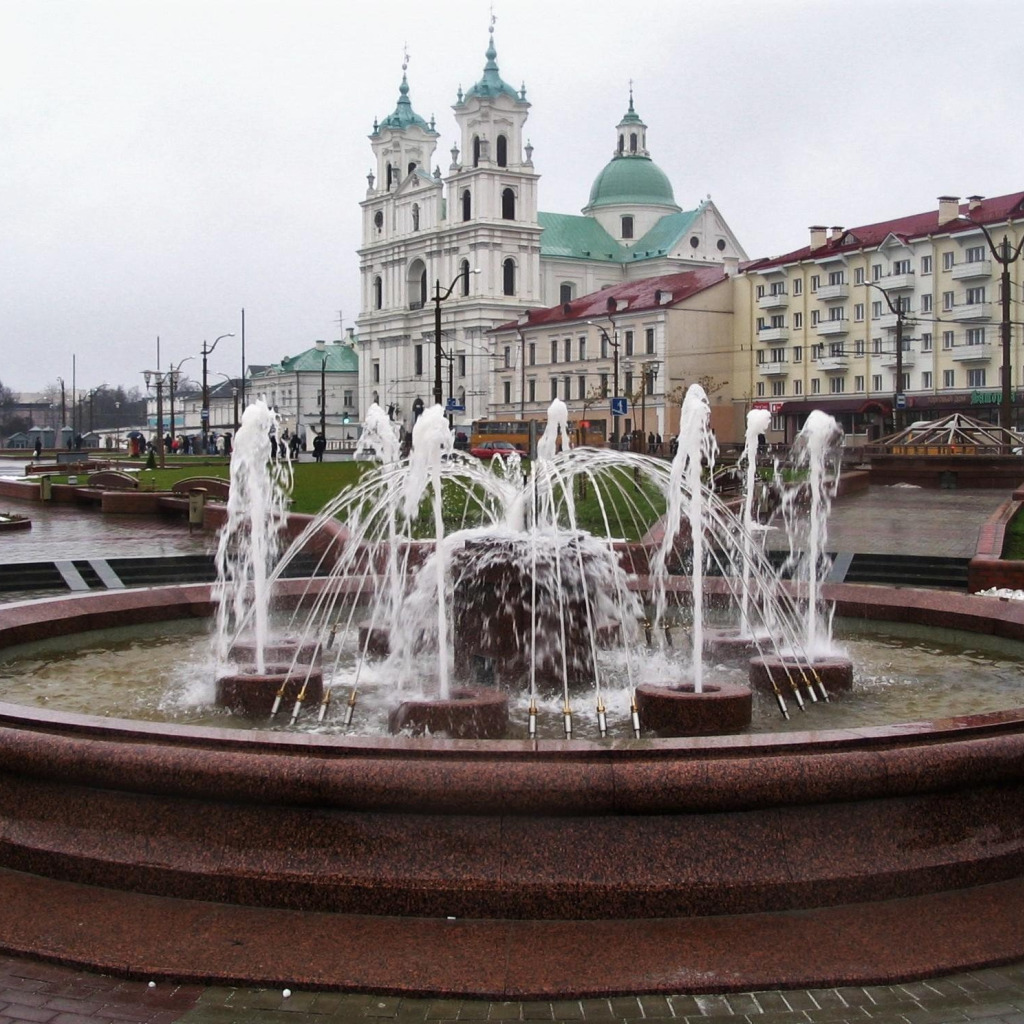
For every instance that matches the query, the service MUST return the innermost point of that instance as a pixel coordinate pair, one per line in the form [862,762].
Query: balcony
[897,282]
[889,360]
[773,369]
[969,271]
[833,364]
[832,292]
[974,311]
[887,322]
[773,334]
[832,328]
[973,353]
[779,300]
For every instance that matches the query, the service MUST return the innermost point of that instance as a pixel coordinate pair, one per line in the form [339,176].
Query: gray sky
[165,163]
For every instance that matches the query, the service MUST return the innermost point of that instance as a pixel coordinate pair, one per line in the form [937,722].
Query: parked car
[492,449]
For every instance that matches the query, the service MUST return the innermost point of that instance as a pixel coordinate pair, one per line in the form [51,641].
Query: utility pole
[899,397]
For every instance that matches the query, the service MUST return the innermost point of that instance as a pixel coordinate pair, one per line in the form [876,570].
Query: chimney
[321,345]
[836,233]
[731,265]
[949,208]
[817,236]
[974,203]
[350,335]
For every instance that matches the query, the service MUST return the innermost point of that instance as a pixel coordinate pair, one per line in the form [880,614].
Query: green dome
[631,181]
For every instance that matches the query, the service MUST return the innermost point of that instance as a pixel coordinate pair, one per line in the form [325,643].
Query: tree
[10,421]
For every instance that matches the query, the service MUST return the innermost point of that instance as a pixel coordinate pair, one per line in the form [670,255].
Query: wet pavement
[880,520]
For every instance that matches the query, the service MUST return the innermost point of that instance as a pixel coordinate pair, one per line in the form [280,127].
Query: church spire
[404,116]
[631,132]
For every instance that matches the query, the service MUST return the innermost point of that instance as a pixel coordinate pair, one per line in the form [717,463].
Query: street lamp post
[898,395]
[117,424]
[323,398]
[207,350]
[63,414]
[615,378]
[172,386]
[650,371]
[156,379]
[438,299]
[1005,254]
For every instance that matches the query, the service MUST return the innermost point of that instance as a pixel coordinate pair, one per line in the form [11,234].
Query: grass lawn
[1013,539]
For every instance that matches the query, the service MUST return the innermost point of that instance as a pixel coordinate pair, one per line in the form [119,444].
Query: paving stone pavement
[49,994]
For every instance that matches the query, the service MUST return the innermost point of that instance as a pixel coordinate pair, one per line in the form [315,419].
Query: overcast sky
[165,163]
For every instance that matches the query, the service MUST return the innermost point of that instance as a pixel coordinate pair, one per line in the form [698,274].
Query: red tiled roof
[996,210]
[630,296]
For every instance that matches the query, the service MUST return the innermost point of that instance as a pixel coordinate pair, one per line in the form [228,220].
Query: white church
[471,243]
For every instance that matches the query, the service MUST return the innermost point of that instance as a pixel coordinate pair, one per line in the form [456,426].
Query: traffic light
[345,418]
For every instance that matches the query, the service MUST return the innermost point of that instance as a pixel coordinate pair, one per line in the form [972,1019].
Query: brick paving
[882,520]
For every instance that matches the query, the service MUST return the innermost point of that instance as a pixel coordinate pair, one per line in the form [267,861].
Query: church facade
[448,256]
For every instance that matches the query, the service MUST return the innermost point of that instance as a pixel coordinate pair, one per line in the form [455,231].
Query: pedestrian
[39,448]
[296,446]
[319,444]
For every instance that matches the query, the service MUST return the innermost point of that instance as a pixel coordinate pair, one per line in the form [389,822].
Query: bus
[517,432]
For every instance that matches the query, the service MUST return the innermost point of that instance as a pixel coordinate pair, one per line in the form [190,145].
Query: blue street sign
[620,406]
[454,406]
[901,400]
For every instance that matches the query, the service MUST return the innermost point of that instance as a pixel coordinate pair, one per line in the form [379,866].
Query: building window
[926,264]
[815,281]
[926,302]
[581,387]
[798,321]
[378,221]
[531,390]
[858,347]
[778,355]
[926,342]
[798,387]
[502,151]
[837,313]
[346,399]
[760,291]
[836,277]
[629,343]
[975,254]
[798,286]
[798,353]
[508,204]
[567,388]
[508,277]
[976,378]
[858,275]
[554,351]
[568,350]
[649,336]
[949,378]
[629,383]
[464,271]
[415,217]
[876,309]
[947,339]
[976,336]
[815,317]
[778,388]
[467,204]
[876,382]
[583,348]
[858,383]
[418,359]
[554,388]
[376,372]
[507,387]
[565,292]
[508,356]
[815,386]
[603,384]
[876,346]
[476,150]
[876,271]
[901,267]
[378,293]
[858,312]
[837,385]
[947,261]
[460,365]
[627,227]
[759,390]
[533,353]
[926,380]
[975,296]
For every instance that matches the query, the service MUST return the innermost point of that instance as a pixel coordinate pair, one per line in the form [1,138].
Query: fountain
[524,866]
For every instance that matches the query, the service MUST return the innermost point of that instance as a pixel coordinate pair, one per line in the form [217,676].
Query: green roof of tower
[631,181]
[404,116]
[340,359]
[492,84]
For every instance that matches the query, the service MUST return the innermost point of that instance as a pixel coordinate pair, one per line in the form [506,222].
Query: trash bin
[196,504]
[45,488]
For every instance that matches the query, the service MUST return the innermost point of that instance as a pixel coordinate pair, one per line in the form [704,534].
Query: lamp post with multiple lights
[613,342]
[207,350]
[438,299]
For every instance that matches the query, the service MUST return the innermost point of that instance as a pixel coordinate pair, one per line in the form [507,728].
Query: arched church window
[390,176]
[467,205]
[508,277]
[627,227]
[378,293]
[476,150]
[378,221]
[565,292]
[502,151]
[423,287]
[412,166]
[464,271]
[415,217]
[632,142]
[508,204]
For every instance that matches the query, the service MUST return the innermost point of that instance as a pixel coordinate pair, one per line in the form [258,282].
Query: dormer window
[627,227]
[502,148]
